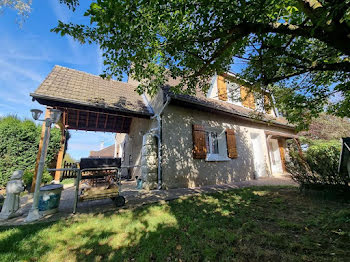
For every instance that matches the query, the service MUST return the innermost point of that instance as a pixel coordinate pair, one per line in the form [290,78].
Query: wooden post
[61,152]
[47,114]
[282,153]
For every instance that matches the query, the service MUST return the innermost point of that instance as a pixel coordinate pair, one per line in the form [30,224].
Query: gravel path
[134,198]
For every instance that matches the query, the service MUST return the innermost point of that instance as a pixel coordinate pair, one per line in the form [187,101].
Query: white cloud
[61,12]
[21,71]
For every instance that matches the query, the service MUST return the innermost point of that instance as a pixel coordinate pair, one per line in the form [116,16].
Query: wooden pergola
[85,119]
[89,103]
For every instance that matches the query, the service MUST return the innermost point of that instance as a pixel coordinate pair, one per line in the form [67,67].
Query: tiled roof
[105,152]
[214,104]
[77,87]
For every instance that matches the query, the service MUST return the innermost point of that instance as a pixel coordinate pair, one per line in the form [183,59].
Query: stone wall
[179,169]
[149,162]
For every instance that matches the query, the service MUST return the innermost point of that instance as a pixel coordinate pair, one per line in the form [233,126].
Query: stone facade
[180,169]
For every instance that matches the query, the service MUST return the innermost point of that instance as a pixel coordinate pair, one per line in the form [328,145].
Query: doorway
[258,155]
[275,157]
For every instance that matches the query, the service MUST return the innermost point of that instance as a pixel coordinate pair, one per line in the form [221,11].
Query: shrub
[29,174]
[318,168]
[19,146]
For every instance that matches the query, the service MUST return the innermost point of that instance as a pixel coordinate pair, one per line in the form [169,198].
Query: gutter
[158,135]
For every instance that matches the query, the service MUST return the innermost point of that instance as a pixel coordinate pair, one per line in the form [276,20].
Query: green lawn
[251,224]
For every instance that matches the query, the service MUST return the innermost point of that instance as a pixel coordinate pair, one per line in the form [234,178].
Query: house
[107,152]
[175,140]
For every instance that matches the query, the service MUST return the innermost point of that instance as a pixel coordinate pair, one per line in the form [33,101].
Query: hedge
[19,146]
[319,168]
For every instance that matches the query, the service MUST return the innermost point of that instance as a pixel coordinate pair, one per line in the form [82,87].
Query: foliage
[68,159]
[19,146]
[297,49]
[29,174]
[319,166]
[251,224]
[328,127]
[23,7]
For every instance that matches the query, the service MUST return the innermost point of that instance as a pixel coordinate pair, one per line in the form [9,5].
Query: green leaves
[288,44]
[19,146]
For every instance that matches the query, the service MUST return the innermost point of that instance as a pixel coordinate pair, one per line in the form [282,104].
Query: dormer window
[233,92]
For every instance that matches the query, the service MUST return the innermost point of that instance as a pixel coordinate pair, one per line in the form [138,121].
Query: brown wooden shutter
[247,98]
[282,153]
[231,143]
[199,144]
[222,90]
[267,104]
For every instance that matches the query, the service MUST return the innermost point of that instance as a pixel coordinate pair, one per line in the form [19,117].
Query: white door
[275,157]
[258,155]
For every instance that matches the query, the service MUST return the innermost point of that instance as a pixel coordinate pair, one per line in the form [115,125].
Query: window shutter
[267,104]
[199,146]
[231,143]
[222,90]
[247,98]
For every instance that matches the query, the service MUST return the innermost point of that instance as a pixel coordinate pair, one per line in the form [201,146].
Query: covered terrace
[88,103]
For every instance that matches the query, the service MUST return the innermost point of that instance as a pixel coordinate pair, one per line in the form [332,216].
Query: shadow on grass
[251,224]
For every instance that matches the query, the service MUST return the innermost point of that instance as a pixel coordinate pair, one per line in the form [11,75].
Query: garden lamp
[54,116]
[36,113]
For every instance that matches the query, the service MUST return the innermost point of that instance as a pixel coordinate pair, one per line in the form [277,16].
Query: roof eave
[174,97]
[81,103]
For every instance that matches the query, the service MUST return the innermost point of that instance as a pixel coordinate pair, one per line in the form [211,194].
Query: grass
[67,181]
[250,224]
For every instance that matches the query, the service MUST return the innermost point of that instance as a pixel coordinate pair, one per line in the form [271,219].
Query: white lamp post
[52,119]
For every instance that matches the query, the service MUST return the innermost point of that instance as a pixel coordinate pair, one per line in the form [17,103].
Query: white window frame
[259,103]
[222,145]
[236,90]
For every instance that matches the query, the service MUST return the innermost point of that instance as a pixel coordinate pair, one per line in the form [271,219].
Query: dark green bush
[29,174]
[319,168]
[19,141]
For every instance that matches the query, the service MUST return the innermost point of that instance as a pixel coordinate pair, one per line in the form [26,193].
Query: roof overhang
[78,115]
[202,107]
[274,134]
[81,105]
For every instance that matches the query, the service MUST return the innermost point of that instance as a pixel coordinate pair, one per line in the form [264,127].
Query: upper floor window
[233,92]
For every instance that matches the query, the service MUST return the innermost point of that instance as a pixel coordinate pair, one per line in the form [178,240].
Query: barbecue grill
[100,178]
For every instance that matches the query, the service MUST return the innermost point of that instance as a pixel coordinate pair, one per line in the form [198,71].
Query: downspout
[158,135]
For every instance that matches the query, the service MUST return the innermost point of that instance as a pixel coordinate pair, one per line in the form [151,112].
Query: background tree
[296,49]
[327,127]
[19,146]
[22,7]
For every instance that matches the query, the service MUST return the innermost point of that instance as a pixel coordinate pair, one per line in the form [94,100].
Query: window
[212,142]
[260,104]
[215,141]
[233,92]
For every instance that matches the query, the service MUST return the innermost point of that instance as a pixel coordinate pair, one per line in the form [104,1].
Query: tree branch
[341,66]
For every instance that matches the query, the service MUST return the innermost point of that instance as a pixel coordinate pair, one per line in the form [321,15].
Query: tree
[328,127]
[19,146]
[23,7]
[297,49]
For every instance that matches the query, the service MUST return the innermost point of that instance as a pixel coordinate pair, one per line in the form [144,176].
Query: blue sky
[27,55]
